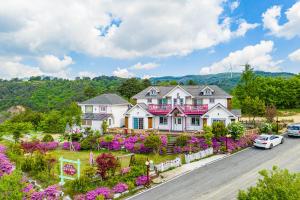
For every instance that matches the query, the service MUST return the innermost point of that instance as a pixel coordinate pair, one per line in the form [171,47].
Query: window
[211,100]
[219,120]
[86,122]
[102,108]
[152,92]
[149,100]
[175,101]
[197,101]
[181,101]
[195,121]
[138,123]
[207,92]
[88,109]
[109,122]
[163,120]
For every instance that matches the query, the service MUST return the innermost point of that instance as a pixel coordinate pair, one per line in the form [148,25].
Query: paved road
[223,179]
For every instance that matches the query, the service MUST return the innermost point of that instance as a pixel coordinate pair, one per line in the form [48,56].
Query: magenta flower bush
[104,191]
[120,187]
[50,193]
[76,145]
[141,180]
[6,167]
[125,170]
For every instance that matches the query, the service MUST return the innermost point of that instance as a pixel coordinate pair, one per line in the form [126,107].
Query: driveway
[223,179]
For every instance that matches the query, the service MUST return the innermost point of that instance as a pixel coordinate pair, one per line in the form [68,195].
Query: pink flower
[120,187]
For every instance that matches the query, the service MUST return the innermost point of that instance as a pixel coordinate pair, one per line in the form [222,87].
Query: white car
[268,141]
[294,130]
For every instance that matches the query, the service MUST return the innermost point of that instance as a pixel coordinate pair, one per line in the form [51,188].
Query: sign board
[67,170]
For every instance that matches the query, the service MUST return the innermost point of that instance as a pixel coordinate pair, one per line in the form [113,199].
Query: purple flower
[76,145]
[141,180]
[120,187]
[104,191]
[6,167]
[50,193]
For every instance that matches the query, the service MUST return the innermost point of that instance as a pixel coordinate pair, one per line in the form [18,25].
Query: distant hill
[226,81]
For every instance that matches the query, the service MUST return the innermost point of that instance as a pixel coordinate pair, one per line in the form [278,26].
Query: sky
[139,38]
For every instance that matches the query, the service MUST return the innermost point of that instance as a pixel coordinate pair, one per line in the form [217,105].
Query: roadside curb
[187,172]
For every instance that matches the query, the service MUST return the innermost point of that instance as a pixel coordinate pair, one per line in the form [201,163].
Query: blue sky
[144,39]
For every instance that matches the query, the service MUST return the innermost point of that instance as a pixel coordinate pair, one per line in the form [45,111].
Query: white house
[109,107]
[180,108]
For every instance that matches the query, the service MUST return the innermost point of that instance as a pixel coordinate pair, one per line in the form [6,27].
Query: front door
[177,125]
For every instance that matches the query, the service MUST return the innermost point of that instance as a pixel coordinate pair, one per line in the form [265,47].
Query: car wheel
[271,146]
[282,141]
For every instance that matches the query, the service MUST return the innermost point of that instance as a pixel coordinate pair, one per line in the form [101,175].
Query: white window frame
[211,100]
[149,100]
[195,120]
[102,108]
[164,120]
[88,106]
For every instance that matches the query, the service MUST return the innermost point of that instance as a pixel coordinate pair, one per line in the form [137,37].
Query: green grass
[288,112]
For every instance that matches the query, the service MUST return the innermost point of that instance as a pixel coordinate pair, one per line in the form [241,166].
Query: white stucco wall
[191,127]
[210,105]
[173,94]
[156,124]
[145,101]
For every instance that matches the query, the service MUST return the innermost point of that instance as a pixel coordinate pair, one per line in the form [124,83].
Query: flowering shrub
[6,167]
[120,187]
[106,163]
[141,180]
[102,191]
[50,193]
[30,147]
[76,145]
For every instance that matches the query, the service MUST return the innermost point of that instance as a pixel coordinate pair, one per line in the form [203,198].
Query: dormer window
[207,91]
[153,92]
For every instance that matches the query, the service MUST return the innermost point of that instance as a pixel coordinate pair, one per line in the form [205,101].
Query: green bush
[153,142]
[208,135]
[219,129]
[265,128]
[182,140]
[90,142]
[108,138]
[11,186]
[274,127]
[274,184]
[236,129]
[48,138]
[27,164]
[78,186]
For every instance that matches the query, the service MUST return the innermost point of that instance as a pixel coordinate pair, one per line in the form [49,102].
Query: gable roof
[143,106]
[194,90]
[107,99]
[219,106]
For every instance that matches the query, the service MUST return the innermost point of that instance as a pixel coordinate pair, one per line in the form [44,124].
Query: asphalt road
[224,178]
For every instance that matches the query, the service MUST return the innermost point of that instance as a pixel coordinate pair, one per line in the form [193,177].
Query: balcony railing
[188,109]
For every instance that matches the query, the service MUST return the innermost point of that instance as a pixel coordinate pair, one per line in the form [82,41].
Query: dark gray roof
[95,116]
[106,99]
[193,90]
[143,105]
[237,112]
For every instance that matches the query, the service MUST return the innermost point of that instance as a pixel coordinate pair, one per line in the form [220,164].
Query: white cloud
[52,64]
[259,56]
[146,66]
[86,74]
[121,29]
[234,5]
[12,67]
[295,56]
[244,27]
[122,73]
[289,29]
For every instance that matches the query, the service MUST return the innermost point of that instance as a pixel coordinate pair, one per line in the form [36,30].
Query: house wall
[118,112]
[161,126]
[145,101]
[140,113]
[210,105]
[182,94]
[191,127]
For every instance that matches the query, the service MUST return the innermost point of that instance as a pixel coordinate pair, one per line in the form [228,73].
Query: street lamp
[148,163]
[227,136]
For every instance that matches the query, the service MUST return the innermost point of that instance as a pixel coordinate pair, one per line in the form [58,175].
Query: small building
[180,108]
[105,107]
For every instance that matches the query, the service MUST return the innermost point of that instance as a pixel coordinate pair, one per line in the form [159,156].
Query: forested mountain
[44,93]
[226,81]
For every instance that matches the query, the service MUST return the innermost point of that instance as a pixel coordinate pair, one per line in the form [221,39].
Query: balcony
[159,109]
[187,109]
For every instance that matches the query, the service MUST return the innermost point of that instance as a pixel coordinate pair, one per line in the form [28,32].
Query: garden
[101,166]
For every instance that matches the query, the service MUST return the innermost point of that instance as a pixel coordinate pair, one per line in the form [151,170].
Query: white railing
[196,156]
[168,164]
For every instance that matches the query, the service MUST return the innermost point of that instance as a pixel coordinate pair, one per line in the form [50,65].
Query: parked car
[268,141]
[293,130]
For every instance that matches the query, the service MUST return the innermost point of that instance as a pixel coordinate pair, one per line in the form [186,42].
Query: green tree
[53,122]
[146,83]
[104,126]
[276,184]
[90,92]
[131,87]
[253,107]
[191,82]
[72,114]
[208,135]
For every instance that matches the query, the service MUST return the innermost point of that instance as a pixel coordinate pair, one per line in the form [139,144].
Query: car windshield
[262,138]
[294,127]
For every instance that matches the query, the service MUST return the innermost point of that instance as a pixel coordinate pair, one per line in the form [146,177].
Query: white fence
[168,164]
[196,156]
